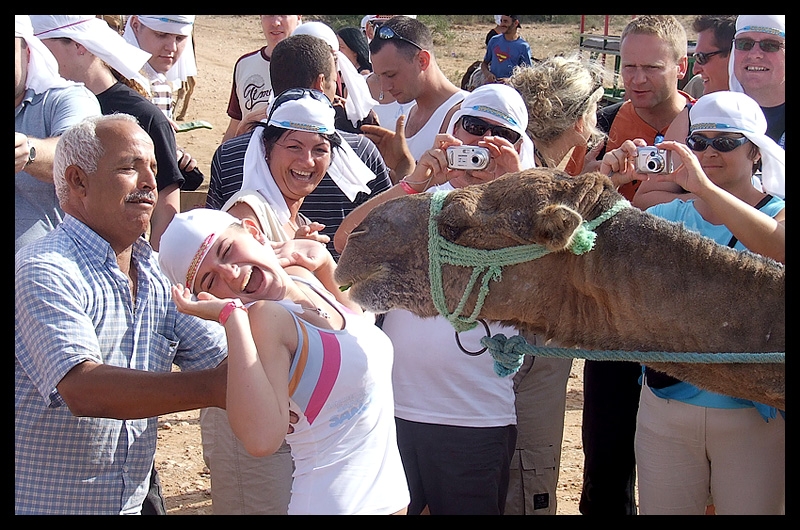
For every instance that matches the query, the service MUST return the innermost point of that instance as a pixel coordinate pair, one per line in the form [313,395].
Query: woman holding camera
[456,422]
[692,444]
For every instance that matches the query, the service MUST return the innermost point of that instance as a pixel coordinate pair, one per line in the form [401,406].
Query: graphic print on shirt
[311,379]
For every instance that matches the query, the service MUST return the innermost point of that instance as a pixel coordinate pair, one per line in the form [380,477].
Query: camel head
[385,263]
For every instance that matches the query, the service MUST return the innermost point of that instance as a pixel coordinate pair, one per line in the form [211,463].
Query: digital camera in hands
[651,159]
[467,157]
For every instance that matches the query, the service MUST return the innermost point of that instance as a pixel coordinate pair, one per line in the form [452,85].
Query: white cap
[737,112]
[187,240]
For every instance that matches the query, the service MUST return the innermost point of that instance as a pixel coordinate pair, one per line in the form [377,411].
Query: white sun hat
[499,103]
[769,24]
[186,65]
[42,65]
[737,112]
[96,36]
[359,100]
[187,240]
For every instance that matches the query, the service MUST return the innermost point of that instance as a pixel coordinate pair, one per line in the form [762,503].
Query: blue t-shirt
[685,212]
[503,55]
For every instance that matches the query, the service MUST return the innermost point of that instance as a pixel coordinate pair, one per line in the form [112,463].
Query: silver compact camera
[653,160]
[467,157]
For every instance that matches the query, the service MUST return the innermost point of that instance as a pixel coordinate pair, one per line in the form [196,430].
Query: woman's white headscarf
[307,114]
[737,112]
[97,37]
[42,66]
[359,100]
[186,65]
[499,103]
[769,24]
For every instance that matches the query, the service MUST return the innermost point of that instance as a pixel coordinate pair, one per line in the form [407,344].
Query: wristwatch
[31,153]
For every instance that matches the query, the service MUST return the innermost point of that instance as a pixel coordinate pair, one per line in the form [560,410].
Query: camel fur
[647,285]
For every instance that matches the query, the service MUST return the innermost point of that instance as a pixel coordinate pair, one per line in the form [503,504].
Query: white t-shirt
[435,382]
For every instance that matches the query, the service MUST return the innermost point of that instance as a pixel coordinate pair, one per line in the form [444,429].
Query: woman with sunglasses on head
[299,362]
[283,165]
[455,417]
[690,443]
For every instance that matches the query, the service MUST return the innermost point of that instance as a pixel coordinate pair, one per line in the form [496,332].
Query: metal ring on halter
[473,353]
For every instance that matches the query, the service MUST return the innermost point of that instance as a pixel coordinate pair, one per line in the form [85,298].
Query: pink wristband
[407,188]
[228,309]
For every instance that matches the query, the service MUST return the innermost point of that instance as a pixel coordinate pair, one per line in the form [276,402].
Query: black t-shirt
[120,98]
[776,122]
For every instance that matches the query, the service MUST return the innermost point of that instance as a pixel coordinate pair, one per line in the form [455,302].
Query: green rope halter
[488,265]
[508,353]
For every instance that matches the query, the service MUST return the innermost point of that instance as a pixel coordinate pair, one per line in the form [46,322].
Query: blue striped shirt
[74,304]
[327,204]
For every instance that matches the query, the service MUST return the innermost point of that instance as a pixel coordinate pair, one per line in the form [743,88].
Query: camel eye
[450,232]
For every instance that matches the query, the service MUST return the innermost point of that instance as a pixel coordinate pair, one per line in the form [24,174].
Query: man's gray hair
[80,146]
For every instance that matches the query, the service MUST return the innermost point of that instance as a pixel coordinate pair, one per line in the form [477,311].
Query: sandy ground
[220,40]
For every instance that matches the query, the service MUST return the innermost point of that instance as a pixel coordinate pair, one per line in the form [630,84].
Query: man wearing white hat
[758,67]
[45,105]
[89,51]
[168,38]
[351,85]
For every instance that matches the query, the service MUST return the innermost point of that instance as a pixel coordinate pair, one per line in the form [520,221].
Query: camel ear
[554,226]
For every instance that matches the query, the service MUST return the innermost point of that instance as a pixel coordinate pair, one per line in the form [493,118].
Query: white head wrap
[307,114]
[187,240]
[186,65]
[42,66]
[96,35]
[359,100]
[499,103]
[769,24]
[737,112]
[498,19]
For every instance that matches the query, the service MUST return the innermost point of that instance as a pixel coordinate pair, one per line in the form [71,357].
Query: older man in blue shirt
[97,333]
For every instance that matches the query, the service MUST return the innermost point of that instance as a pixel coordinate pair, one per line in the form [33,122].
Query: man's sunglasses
[767,45]
[387,33]
[723,144]
[477,127]
[702,58]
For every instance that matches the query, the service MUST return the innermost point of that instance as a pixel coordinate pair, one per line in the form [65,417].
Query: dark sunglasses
[477,127]
[387,33]
[723,144]
[767,45]
[702,58]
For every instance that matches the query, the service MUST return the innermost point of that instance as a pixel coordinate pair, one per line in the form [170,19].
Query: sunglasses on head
[766,45]
[387,33]
[477,127]
[723,144]
[702,58]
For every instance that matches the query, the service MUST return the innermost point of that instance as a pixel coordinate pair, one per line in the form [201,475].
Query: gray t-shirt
[36,209]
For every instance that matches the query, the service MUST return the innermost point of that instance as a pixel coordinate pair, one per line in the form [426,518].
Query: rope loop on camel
[487,265]
[508,355]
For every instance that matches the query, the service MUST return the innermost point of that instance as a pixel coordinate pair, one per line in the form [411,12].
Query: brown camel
[647,285]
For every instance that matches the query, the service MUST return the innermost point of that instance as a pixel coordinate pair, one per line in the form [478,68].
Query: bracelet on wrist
[229,308]
[407,187]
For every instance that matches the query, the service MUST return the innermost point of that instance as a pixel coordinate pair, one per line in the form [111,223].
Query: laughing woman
[293,351]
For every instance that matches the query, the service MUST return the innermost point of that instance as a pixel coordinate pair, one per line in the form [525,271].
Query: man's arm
[42,167]
[103,391]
